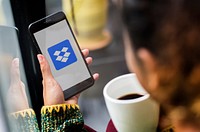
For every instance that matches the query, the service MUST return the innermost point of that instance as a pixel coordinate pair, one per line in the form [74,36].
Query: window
[6,17]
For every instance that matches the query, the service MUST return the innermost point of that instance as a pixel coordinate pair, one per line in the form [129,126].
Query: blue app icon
[62,54]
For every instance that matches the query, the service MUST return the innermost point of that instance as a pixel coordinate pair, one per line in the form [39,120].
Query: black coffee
[130,96]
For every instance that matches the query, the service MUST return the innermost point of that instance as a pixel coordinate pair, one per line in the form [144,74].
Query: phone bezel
[51,20]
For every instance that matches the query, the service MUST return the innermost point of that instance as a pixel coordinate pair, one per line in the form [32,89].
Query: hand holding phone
[54,39]
[53,93]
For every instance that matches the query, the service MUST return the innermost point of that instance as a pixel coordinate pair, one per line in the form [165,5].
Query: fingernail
[40,58]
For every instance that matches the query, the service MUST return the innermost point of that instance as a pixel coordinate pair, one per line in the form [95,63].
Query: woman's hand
[17,98]
[52,92]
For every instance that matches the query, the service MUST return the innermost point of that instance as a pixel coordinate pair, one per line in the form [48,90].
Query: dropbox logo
[62,54]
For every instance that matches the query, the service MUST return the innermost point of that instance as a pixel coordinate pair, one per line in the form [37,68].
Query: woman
[162,46]
[163,49]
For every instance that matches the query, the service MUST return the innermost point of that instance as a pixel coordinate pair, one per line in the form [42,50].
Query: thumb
[44,66]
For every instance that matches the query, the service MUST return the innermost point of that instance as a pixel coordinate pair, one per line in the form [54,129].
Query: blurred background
[97,25]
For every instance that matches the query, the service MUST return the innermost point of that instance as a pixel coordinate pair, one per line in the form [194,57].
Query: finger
[44,66]
[73,100]
[96,76]
[85,52]
[15,73]
[89,60]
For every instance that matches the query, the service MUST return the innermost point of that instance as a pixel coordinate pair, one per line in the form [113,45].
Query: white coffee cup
[133,115]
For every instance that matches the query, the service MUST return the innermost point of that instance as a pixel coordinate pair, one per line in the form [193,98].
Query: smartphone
[54,38]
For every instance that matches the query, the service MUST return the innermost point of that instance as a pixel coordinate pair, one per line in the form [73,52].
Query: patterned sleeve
[60,118]
[24,121]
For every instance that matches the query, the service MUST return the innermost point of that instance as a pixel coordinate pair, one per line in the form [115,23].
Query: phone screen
[58,45]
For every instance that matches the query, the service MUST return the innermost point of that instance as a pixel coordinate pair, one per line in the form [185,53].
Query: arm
[62,117]
[24,120]
[58,114]
[65,116]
